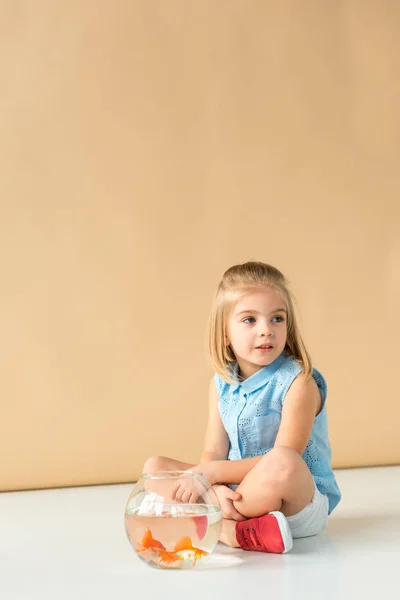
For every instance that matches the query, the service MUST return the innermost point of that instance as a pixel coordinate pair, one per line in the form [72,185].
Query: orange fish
[149,542]
[168,557]
[184,544]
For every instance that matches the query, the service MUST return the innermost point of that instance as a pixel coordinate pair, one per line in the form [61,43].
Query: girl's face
[257,329]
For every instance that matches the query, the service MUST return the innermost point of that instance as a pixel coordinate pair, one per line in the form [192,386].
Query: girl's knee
[155,463]
[281,464]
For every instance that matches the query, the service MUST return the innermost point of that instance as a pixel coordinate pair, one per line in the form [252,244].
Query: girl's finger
[193,498]
[186,496]
[239,517]
[174,489]
[178,494]
[234,495]
[235,515]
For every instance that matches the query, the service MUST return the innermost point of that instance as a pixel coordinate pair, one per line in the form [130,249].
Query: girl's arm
[302,403]
[216,448]
[216,443]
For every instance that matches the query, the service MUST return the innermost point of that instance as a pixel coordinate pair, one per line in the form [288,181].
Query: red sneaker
[270,533]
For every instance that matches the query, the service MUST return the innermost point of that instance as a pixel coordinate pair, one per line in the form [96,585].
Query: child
[267,433]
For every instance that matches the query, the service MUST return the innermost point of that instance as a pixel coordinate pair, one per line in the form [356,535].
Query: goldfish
[185,544]
[168,556]
[149,542]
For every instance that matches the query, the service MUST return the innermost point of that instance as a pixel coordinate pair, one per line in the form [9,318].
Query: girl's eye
[247,319]
[277,319]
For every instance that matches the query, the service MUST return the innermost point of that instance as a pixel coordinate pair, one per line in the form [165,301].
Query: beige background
[145,146]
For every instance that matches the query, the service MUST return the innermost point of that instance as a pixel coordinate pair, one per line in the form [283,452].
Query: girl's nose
[266,330]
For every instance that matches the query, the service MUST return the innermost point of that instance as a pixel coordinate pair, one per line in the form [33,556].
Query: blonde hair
[236,282]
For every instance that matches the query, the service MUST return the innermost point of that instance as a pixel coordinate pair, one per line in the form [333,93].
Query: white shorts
[312,519]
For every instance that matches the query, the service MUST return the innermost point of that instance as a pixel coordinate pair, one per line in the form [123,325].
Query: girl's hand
[188,490]
[226,497]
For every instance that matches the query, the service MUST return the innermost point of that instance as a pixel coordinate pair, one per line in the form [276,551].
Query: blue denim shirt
[251,413]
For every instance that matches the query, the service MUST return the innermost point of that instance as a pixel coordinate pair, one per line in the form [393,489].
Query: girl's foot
[228,533]
[270,533]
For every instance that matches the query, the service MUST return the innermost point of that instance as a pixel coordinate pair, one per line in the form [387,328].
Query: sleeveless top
[251,414]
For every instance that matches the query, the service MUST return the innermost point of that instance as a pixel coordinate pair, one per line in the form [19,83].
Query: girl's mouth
[265,347]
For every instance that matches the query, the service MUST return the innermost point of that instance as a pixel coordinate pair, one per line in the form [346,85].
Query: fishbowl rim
[176,474]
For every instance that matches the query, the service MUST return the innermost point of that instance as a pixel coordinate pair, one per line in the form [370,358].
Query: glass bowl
[168,533]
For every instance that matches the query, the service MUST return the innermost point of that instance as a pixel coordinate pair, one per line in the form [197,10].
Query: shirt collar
[254,382]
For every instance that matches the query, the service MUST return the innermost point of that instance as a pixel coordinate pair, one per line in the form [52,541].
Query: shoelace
[249,534]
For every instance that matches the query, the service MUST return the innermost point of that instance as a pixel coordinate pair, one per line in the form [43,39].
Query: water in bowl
[174,536]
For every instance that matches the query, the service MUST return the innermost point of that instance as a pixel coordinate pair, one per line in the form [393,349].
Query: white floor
[71,543]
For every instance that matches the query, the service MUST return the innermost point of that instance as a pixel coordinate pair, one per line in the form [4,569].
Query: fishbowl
[171,533]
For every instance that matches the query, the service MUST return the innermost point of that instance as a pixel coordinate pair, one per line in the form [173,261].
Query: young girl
[267,433]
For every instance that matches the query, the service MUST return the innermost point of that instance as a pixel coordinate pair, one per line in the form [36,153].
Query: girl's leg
[281,480]
[162,463]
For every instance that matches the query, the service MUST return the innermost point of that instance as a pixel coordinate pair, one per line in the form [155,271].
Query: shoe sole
[285,530]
